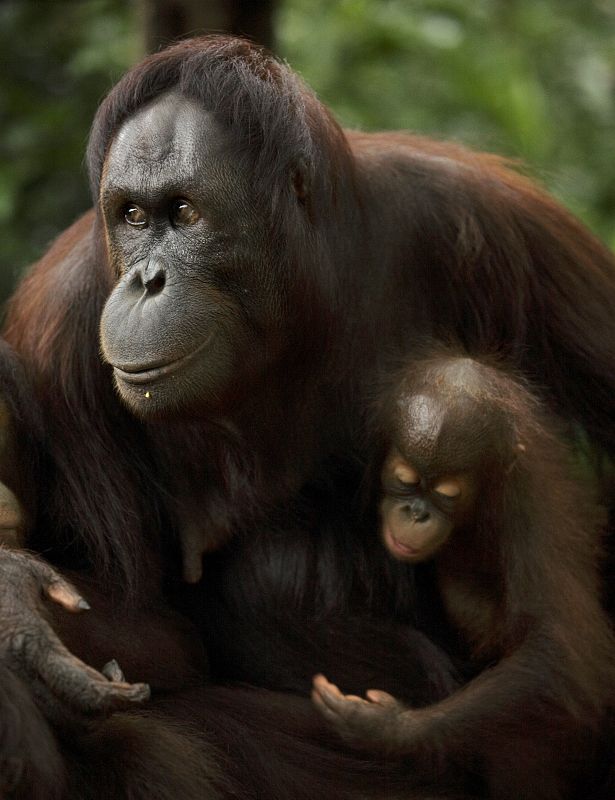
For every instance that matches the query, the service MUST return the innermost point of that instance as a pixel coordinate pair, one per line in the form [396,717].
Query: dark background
[533,79]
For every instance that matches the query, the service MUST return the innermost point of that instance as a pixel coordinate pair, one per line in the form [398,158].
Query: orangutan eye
[406,474]
[183,213]
[450,489]
[135,216]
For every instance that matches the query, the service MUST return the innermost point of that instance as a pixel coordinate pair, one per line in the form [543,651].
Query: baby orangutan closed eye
[475,479]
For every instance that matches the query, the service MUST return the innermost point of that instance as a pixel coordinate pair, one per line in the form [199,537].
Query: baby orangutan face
[418,512]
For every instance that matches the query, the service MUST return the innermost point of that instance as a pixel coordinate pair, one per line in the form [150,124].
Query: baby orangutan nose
[416,510]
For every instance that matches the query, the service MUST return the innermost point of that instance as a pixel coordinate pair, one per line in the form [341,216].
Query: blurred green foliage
[533,79]
[57,60]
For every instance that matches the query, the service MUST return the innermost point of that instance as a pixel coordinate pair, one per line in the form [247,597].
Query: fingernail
[83,604]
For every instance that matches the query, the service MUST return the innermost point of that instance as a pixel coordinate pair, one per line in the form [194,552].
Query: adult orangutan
[249,270]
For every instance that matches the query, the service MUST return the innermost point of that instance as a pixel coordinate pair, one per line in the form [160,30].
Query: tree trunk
[167,20]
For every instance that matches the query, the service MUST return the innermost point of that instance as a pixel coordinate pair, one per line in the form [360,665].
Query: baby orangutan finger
[331,703]
[381,698]
[322,684]
[328,692]
[331,716]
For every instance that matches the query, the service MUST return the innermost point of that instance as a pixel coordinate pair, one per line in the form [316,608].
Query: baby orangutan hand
[371,724]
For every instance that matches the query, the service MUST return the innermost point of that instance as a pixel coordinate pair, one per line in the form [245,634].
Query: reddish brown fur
[393,240]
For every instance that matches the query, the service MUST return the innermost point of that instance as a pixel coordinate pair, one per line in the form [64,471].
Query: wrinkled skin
[186,319]
[30,647]
[198,320]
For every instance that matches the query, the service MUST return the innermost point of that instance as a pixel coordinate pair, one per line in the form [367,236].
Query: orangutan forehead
[173,134]
[443,435]
[420,422]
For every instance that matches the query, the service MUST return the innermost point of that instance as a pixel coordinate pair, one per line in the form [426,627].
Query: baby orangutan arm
[491,706]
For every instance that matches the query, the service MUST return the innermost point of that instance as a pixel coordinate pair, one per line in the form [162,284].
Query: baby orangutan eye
[406,474]
[451,488]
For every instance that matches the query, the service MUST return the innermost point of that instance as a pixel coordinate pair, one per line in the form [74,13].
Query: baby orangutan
[475,479]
